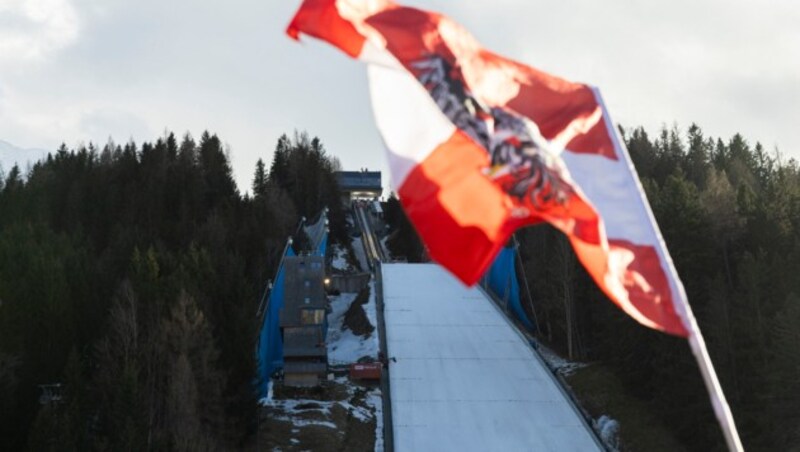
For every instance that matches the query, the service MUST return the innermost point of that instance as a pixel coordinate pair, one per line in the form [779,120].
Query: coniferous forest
[130,275]
[729,212]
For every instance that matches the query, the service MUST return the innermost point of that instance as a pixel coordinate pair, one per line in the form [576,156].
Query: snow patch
[339,261]
[301,405]
[375,401]
[608,429]
[385,247]
[372,314]
[293,410]
[363,414]
[296,410]
[358,248]
[558,364]
[306,422]
[266,400]
[344,347]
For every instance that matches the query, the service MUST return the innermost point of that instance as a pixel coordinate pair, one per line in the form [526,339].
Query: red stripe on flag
[648,287]
[647,296]
[461,215]
[554,104]
[321,19]
[409,33]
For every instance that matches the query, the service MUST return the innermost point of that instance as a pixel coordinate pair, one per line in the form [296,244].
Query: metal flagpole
[720,405]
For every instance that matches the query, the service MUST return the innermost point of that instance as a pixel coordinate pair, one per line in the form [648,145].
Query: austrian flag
[480,145]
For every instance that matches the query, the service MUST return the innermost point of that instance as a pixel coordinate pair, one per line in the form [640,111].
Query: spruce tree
[259,180]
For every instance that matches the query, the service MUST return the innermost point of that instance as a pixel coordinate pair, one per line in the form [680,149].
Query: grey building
[303,321]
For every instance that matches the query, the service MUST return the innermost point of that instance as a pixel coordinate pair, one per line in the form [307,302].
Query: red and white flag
[480,145]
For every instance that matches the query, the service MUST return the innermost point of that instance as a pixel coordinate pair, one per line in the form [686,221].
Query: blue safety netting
[502,281]
[269,355]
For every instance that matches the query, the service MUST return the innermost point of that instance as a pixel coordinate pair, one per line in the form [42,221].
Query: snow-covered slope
[464,379]
[344,347]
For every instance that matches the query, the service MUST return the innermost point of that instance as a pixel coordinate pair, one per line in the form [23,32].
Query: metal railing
[375,257]
[369,241]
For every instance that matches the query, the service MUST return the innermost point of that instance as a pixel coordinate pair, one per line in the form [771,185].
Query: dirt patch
[309,406]
[328,391]
[353,265]
[356,318]
[358,435]
[335,417]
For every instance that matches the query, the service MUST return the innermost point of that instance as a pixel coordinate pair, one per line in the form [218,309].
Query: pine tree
[720,204]
[642,152]
[697,164]
[13,180]
[217,174]
[279,169]
[260,180]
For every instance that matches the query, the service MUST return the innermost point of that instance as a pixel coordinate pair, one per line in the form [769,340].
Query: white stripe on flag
[411,124]
[610,188]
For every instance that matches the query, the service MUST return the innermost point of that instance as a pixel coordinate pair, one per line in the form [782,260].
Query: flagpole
[696,342]
[718,402]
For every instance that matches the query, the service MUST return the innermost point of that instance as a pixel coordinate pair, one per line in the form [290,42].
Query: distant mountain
[10,155]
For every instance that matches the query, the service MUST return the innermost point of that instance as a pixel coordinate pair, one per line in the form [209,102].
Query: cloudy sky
[76,71]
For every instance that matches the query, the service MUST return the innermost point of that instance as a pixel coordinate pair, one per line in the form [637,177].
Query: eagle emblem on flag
[522,162]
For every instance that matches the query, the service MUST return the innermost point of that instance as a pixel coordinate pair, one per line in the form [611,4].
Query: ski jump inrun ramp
[464,378]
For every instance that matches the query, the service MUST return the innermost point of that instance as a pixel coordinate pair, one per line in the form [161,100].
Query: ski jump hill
[462,377]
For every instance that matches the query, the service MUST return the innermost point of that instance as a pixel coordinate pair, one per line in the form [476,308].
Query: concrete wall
[349,283]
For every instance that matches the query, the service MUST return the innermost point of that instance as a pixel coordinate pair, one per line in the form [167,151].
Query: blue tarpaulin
[502,280]
[269,356]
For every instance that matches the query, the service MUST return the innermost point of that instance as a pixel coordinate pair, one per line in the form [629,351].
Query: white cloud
[133,68]
[111,122]
[32,29]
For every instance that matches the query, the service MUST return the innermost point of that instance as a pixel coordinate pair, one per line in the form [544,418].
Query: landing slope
[464,379]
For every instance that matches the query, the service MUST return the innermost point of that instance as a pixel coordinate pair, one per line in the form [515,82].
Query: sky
[80,71]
